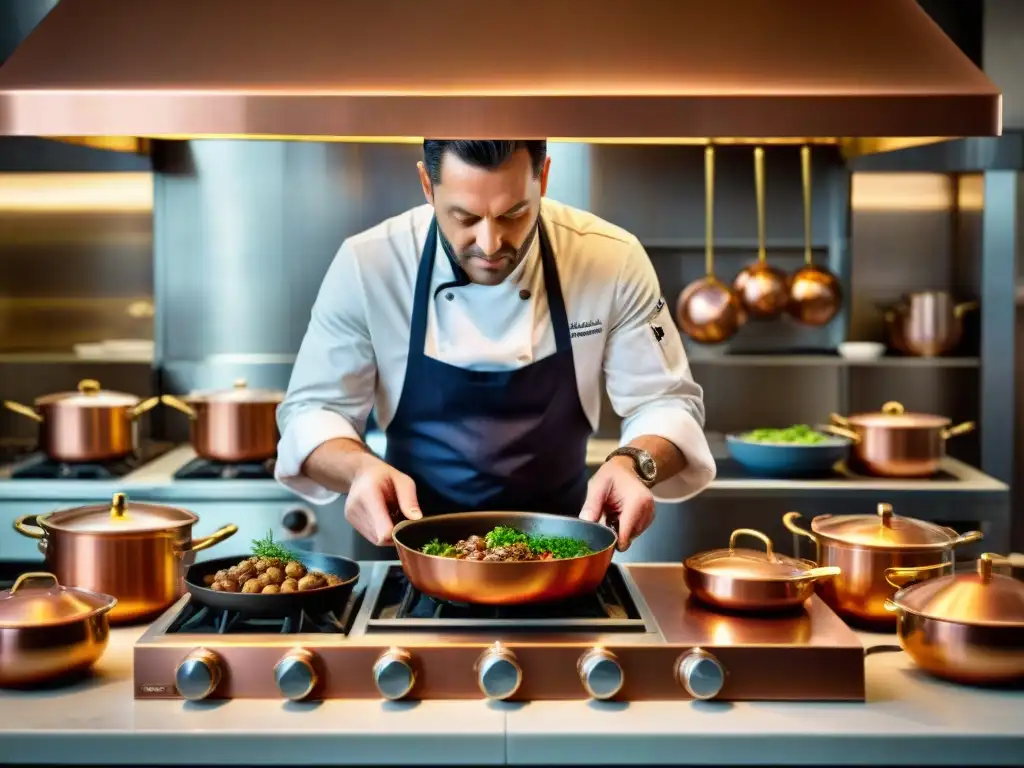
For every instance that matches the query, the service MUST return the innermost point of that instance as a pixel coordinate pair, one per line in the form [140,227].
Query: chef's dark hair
[483,154]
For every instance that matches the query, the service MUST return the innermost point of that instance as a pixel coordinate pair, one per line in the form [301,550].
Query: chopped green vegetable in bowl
[506,544]
[797,434]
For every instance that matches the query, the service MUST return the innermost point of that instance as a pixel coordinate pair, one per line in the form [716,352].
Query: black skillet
[314,602]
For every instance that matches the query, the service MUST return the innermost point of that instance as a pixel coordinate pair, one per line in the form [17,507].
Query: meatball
[275,574]
[225,585]
[295,570]
[290,585]
[209,579]
[221,574]
[244,568]
[252,586]
[332,580]
[475,556]
[261,565]
[264,580]
[271,589]
[311,581]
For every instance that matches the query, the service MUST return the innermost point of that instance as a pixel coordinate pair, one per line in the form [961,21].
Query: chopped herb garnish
[553,547]
[270,549]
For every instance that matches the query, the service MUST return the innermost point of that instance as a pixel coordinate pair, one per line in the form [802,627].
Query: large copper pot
[233,425]
[926,323]
[502,583]
[136,552]
[864,547]
[89,424]
[49,632]
[965,627]
[894,443]
[752,580]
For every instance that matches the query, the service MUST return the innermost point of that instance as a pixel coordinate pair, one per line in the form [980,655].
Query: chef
[478,328]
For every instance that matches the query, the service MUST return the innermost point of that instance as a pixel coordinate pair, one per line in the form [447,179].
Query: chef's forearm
[668,458]
[336,463]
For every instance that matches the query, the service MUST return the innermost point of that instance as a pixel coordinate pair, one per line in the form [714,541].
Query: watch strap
[634,454]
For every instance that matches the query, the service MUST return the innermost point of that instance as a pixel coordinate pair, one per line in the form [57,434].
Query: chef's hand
[379,492]
[615,492]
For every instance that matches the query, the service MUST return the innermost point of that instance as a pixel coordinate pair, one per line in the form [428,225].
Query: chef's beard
[512,256]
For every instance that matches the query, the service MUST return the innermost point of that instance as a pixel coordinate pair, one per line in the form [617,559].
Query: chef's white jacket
[353,357]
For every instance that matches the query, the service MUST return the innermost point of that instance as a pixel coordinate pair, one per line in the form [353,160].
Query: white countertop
[909,719]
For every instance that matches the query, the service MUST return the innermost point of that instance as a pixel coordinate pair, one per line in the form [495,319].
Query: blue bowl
[787,460]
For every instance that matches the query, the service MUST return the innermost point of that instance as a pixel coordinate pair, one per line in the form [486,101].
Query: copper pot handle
[792,527]
[143,407]
[22,410]
[962,309]
[849,434]
[839,421]
[821,572]
[910,572]
[178,405]
[959,429]
[198,545]
[19,583]
[768,548]
[893,408]
[25,528]
[967,538]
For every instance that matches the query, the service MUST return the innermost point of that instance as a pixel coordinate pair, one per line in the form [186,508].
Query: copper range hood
[866,74]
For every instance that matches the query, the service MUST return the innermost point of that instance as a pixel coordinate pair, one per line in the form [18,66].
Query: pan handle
[22,410]
[839,421]
[143,407]
[959,429]
[27,525]
[198,545]
[792,527]
[849,434]
[178,405]
[825,572]
[893,575]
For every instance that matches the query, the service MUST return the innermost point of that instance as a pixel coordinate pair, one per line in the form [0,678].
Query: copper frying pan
[502,583]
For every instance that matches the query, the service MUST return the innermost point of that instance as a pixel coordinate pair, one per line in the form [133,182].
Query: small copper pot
[894,443]
[136,552]
[48,632]
[234,425]
[864,547]
[965,627]
[89,424]
[927,323]
[751,580]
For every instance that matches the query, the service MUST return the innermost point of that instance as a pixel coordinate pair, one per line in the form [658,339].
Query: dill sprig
[270,549]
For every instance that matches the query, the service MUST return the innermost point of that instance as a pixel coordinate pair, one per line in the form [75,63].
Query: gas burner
[400,606]
[202,620]
[639,637]
[39,466]
[204,469]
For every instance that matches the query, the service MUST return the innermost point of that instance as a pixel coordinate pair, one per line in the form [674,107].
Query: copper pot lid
[119,516]
[883,529]
[980,597]
[239,393]
[89,394]
[752,564]
[893,414]
[38,600]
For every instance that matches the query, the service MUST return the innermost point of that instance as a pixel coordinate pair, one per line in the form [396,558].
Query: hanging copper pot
[815,294]
[763,290]
[708,310]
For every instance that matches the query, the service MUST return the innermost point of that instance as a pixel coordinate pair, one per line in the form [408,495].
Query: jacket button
[524,294]
[450,296]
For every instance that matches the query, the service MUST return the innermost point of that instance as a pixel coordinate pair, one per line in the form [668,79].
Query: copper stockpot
[233,425]
[136,552]
[894,443]
[48,632]
[502,583]
[89,424]
[863,547]
[964,627]
[750,580]
[926,323]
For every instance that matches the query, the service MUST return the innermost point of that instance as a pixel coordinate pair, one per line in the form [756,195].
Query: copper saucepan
[89,424]
[233,425]
[135,552]
[894,443]
[752,580]
[48,632]
[964,627]
[927,323]
[863,547]
[502,583]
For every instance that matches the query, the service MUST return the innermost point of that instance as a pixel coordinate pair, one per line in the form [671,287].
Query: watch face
[647,467]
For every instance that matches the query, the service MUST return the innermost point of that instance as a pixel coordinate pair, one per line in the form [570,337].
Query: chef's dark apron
[491,440]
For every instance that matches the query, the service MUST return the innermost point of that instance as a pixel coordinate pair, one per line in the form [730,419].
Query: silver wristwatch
[643,463]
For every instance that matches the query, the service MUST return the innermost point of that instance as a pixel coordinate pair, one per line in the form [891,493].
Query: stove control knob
[600,673]
[297,521]
[296,675]
[393,674]
[498,673]
[198,674]
[701,674]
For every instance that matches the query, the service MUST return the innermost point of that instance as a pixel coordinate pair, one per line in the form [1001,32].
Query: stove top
[640,636]
[204,469]
[39,466]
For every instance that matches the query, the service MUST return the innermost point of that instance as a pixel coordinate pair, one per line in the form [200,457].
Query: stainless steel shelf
[699,357]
